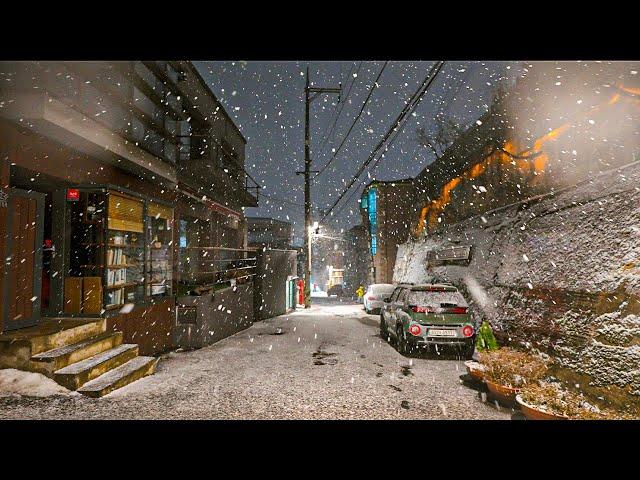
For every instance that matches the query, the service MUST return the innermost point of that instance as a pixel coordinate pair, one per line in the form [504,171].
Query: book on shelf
[116,256]
[116,277]
[115,297]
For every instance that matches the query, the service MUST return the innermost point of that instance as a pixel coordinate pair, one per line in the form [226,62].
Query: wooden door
[23,268]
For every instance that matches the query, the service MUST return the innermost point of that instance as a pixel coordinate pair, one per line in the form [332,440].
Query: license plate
[441,333]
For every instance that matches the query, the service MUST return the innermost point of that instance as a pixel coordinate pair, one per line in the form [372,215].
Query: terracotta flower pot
[502,393]
[534,413]
[475,369]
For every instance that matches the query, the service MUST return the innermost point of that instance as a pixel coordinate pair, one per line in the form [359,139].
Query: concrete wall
[218,316]
[273,269]
[560,274]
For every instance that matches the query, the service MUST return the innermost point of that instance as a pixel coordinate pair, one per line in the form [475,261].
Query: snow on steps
[77,374]
[52,360]
[75,353]
[123,375]
[65,332]
[18,346]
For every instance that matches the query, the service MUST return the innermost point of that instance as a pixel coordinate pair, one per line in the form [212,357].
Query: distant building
[269,232]
[327,259]
[388,211]
[357,259]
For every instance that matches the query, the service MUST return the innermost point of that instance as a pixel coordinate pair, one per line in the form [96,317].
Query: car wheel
[401,341]
[384,333]
[468,351]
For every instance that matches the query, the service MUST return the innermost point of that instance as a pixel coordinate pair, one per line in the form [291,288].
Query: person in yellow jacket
[360,293]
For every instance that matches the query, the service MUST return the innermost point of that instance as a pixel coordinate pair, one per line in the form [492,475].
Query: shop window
[125,251]
[160,251]
[118,254]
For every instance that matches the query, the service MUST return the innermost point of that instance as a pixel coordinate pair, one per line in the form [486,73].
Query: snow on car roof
[436,287]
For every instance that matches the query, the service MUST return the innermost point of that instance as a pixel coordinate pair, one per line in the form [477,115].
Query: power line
[443,109]
[344,139]
[277,199]
[353,192]
[387,148]
[326,135]
[408,108]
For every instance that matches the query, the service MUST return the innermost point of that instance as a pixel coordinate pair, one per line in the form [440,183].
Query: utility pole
[316,91]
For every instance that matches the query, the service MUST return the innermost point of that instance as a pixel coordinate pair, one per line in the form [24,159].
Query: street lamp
[313,231]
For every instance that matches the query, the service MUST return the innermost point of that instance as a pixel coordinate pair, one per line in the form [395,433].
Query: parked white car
[375,295]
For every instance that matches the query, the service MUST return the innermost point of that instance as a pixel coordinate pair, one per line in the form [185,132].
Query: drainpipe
[4,194]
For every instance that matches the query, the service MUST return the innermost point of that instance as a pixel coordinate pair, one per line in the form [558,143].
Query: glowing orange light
[534,157]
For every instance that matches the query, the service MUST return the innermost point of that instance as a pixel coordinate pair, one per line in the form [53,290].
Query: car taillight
[418,309]
[467,331]
[456,310]
[415,330]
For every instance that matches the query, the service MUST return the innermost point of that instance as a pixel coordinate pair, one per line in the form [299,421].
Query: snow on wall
[560,272]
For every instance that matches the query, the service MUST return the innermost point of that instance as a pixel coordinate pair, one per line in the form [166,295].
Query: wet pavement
[327,362]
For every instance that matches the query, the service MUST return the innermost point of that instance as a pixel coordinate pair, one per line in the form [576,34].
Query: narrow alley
[328,362]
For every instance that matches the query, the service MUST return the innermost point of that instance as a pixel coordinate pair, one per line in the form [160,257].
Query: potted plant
[508,370]
[475,370]
[550,401]
[485,342]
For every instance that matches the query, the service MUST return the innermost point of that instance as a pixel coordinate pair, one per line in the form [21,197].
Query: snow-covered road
[324,363]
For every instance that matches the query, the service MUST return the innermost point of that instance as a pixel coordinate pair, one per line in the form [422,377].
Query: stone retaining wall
[560,273]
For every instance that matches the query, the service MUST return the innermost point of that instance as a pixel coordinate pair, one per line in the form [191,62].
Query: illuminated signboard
[372,207]
[73,194]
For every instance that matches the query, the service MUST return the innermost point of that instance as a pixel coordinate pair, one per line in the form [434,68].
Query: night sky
[266,100]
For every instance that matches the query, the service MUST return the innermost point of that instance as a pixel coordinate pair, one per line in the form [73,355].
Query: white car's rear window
[436,299]
[377,289]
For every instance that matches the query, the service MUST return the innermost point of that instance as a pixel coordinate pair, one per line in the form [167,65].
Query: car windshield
[436,299]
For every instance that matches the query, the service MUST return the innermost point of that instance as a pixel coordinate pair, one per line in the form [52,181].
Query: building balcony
[226,186]
[53,119]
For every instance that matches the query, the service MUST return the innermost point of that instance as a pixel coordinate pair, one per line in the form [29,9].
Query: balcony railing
[204,269]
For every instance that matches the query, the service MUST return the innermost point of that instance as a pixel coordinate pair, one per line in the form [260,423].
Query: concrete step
[52,360]
[119,377]
[49,334]
[77,374]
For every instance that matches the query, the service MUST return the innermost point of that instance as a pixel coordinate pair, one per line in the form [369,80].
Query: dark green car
[427,315]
